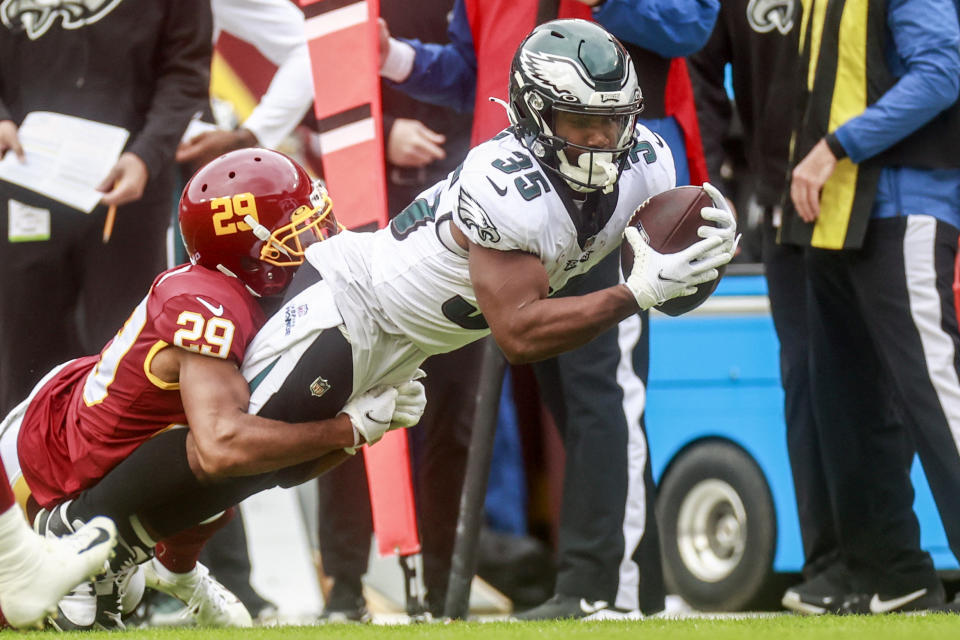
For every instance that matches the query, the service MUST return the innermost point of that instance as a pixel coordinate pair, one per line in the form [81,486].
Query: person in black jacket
[761,47]
[139,64]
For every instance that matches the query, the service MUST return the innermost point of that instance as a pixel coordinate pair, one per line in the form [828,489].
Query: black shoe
[561,607]
[921,599]
[53,523]
[93,606]
[345,605]
[824,593]
[950,607]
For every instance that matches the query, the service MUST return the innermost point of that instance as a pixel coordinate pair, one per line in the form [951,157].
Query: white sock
[18,544]
[168,575]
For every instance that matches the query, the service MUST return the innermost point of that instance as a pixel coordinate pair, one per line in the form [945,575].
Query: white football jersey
[410,278]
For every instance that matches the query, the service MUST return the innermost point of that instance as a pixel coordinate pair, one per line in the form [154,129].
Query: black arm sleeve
[183,81]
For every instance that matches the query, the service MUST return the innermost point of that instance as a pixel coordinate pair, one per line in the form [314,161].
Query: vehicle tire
[718,528]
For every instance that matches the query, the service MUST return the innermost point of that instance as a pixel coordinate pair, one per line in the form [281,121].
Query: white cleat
[46,569]
[208,602]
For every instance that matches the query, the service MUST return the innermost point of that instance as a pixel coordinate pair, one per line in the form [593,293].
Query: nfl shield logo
[319,387]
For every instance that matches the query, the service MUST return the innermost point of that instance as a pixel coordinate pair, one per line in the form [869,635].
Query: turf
[776,627]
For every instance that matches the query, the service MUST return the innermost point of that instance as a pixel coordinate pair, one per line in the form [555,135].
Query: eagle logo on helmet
[474,217]
[559,74]
[36,17]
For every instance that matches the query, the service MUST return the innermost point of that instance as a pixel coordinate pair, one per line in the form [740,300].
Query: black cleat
[824,593]
[561,607]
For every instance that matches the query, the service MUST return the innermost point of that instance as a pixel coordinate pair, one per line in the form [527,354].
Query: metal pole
[463,564]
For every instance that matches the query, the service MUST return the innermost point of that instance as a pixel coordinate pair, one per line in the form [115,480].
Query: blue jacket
[924,55]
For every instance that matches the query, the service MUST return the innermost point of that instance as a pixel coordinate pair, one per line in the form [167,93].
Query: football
[670,220]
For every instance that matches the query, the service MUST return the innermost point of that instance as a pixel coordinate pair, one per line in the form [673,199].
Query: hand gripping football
[670,220]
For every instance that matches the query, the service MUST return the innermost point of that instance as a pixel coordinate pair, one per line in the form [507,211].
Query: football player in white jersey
[484,251]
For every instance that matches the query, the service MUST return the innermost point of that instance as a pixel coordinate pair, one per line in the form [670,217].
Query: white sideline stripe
[347,135]
[635,509]
[327,23]
[920,271]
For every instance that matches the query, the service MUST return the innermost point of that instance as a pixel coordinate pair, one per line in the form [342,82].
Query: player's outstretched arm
[511,289]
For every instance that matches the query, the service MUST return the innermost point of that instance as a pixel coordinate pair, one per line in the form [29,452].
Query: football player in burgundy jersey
[246,218]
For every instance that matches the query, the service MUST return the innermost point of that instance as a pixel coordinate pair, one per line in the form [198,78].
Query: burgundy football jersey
[96,410]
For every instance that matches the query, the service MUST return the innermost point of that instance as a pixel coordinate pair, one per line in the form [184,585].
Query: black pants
[609,544]
[440,445]
[67,296]
[885,345]
[787,287]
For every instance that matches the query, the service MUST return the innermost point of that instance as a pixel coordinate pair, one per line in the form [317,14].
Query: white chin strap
[600,174]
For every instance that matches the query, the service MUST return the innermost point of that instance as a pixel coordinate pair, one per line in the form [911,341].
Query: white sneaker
[208,602]
[49,568]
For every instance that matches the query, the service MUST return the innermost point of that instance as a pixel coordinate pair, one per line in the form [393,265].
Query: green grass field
[781,627]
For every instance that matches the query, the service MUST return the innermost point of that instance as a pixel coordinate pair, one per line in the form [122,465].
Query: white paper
[67,157]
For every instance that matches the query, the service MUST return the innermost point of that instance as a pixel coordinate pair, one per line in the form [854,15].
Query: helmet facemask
[286,245]
[594,167]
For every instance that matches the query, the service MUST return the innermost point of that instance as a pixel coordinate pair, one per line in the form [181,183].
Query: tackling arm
[227,441]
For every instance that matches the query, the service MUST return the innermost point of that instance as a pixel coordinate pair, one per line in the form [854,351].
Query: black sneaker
[345,605]
[950,607]
[561,607]
[823,593]
[922,599]
[53,523]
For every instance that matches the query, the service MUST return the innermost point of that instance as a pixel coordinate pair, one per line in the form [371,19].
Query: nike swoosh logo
[884,606]
[502,192]
[102,536]
[592,607]
[666,279]
[217,311]
[373,419]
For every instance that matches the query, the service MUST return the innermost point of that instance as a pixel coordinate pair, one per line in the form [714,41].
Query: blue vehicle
[726,505]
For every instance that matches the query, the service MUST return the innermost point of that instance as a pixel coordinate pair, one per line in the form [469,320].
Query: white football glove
[657,277]
[411,401]
[371,414]
[720,214]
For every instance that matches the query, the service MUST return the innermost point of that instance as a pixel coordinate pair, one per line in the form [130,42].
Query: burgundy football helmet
[251,213]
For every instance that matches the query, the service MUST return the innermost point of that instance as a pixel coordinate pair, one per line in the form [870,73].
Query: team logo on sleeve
[35,17]
[767,15]
[473,216]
